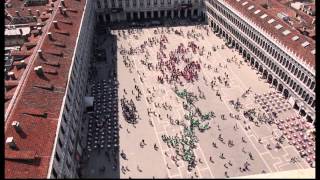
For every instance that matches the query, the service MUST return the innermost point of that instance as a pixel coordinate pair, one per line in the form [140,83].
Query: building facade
[282,69]
[65,162]
[127,10]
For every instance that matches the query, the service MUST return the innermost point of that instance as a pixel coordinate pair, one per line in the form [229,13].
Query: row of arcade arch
[278,78]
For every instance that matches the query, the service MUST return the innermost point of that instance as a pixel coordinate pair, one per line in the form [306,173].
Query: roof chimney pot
[63,4]
[55,23]
[38,12]
[40,53]
[38,70]
[50,35]
[11,143]
[18,14]
[60,9]
[39,29]
[16,125]
[52,4]
[11,75]
[30,12]
[64,11]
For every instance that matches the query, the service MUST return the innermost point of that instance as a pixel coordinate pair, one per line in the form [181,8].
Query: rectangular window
[64,118]
[54,173]
[134,3]
[169,1]
[148,2]
[67,107]
[57,156]
[98,4]
[62,130]
[162,2]
[59,142]
[155,2]
[127,3]
[141,2]
[68,96]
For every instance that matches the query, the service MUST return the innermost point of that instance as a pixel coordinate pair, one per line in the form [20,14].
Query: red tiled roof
[41,131]
[295,46]
[11,83]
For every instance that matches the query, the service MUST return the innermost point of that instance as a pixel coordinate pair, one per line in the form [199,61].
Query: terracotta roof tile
[41,131]
[295,46]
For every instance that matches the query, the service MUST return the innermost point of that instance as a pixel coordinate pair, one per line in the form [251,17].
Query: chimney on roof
[63,4]
[11,75]
[55,23]
[38,12]
[39,30]
[64,10]
[60,9]
[11,143]
[52,4]
[40,53]
[50,35]
[35,18]
[22,64]
[16,125]
[30,12]
[39,70]
[17,13]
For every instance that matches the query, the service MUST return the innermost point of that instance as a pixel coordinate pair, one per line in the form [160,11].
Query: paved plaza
[137,79]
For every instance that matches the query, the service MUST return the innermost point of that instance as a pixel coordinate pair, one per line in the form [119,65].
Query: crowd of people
[178,68]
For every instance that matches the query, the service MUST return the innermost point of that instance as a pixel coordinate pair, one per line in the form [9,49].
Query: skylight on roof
[279,26]
[295,38]
[257,11]
[250,7]
[286,32]
[305,44]
[271,21]
[244,3]
[313,52]
[263,16]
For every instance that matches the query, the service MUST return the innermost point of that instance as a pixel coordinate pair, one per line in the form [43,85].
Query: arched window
[305,79]
[312,85]
[299,73]
[302,76]
[309,82]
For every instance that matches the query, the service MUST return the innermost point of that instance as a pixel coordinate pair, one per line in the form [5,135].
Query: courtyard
[151,74]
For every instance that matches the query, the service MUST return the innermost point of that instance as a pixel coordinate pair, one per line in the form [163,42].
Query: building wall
[66,163]
[284,71]
[143,9]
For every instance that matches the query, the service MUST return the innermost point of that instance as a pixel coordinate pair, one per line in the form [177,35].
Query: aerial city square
[159,89]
